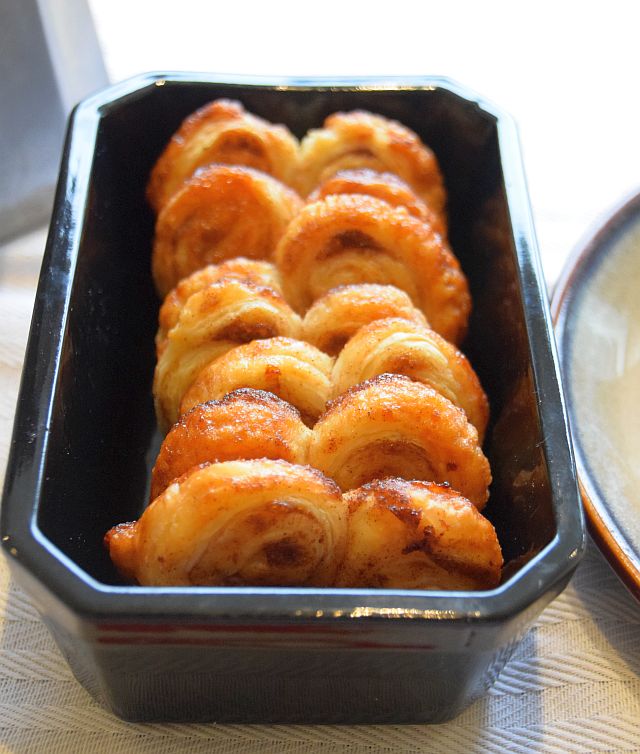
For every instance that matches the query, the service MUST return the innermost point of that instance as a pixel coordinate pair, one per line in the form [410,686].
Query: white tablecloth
[568,73]
[573,684]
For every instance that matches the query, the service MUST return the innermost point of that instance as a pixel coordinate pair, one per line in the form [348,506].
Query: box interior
[103,438]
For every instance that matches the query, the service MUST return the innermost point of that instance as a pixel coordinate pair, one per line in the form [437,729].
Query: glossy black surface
[85,439]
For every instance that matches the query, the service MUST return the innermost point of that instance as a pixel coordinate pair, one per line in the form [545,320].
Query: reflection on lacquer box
[85,439]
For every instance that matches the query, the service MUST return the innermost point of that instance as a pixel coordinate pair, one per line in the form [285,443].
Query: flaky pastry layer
[393,426]
[256,522]
[222,212]
[213,321]
[342,311]
[399,346]
[360,139]
[240,268]
[417,535]
[222,132]
[386,186]
[291,369]
[348,238]
[244,424]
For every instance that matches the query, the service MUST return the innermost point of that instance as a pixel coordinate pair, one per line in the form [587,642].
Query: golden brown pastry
[222,132]
[417,535]
[360,139]
[340,313]
[291,369]
[247,270]
[244,424]
[349,238]
[392,426]
[386,186]
[257,522]
[221,212]
[402,347]
[213,321]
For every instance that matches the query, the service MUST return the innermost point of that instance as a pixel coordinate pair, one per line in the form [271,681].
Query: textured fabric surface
[573,684]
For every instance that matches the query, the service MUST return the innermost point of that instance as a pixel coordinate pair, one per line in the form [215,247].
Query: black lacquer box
[85,438]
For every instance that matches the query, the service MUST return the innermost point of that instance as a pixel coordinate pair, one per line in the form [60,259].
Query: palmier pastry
[403,347]
[340,313]
[222,212]
[213,321]
[386,186]
[240,268]
[417,535]
[360,139]
[295,371]
[392,426]
[244,424]
[349,238]
[222,132]
[256,522]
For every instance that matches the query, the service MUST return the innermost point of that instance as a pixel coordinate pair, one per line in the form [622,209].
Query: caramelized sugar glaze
[323,427]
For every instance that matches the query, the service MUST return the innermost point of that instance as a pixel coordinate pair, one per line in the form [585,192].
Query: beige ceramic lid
[596,309]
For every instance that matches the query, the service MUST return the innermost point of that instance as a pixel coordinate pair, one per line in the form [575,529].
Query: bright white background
[567,71]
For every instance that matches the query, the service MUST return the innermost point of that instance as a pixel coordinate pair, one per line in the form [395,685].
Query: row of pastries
[323,427]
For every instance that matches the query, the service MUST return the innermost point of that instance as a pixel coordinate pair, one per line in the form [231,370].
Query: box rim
[602,525]
[23,541]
